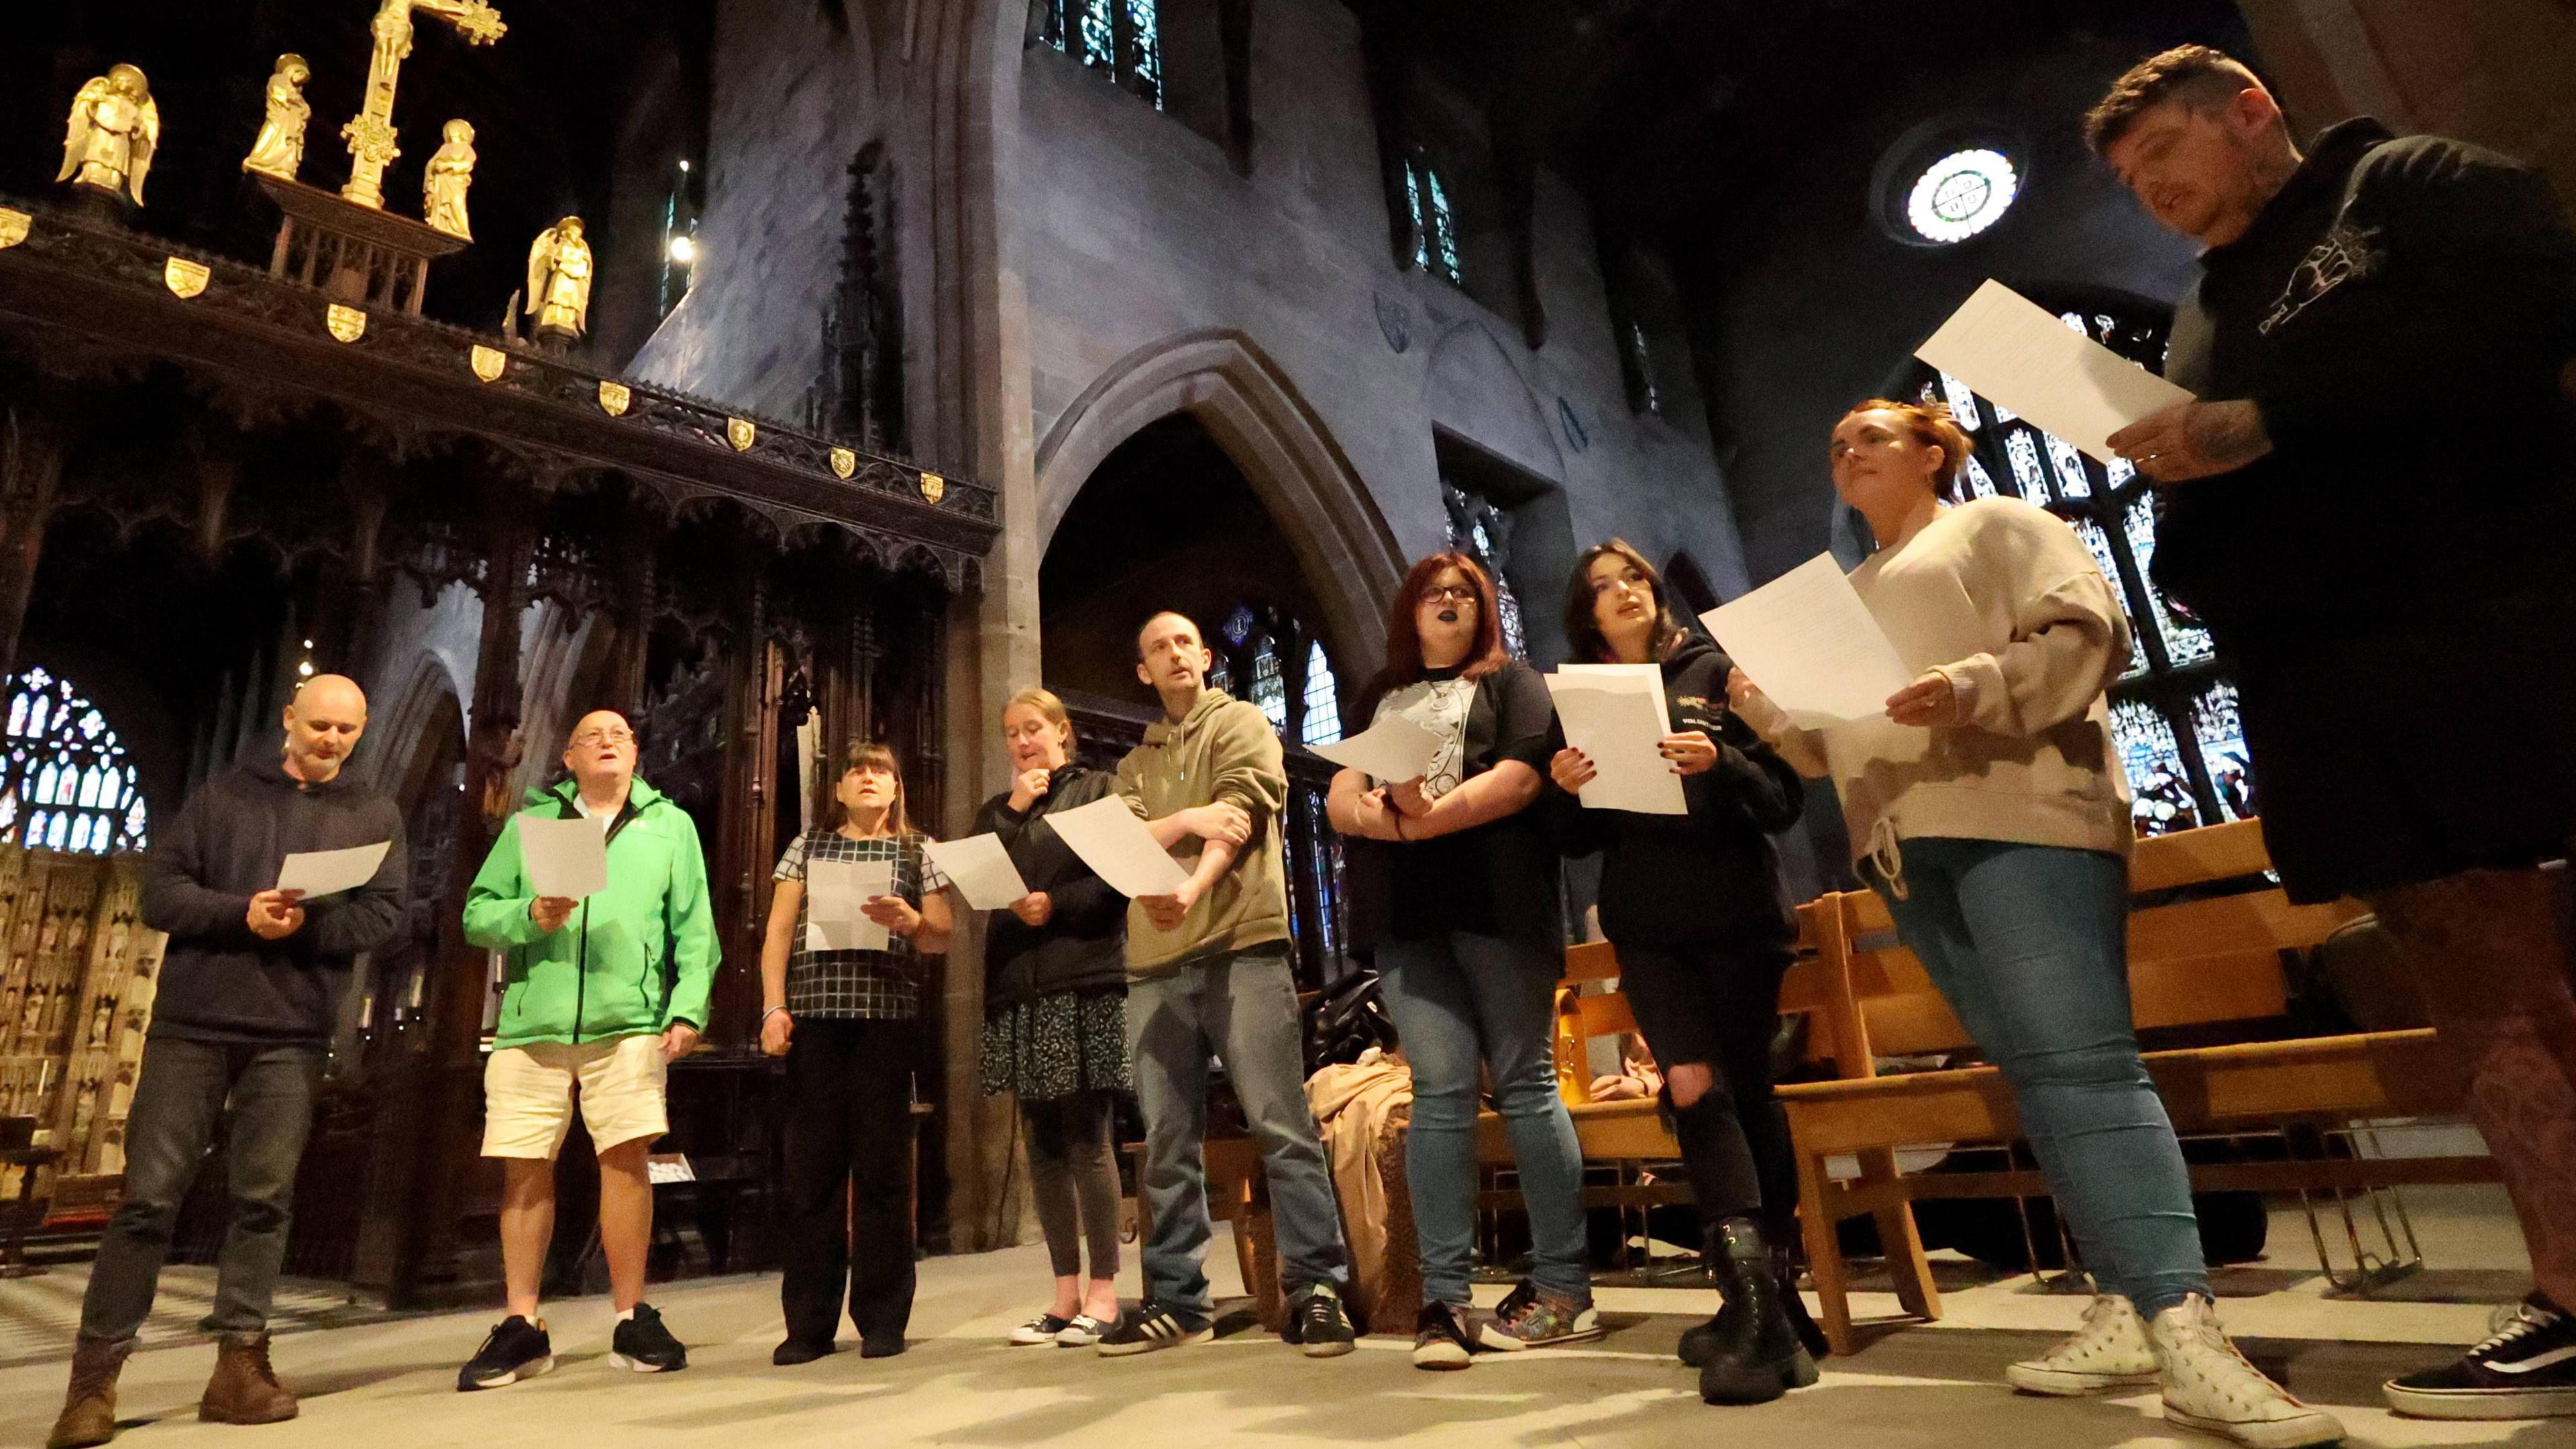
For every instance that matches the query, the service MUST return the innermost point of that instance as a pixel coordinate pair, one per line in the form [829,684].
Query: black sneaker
[644,1345]
[1150,1326]
[1440,1337]
[515,1349]
[2526,1371]
[1317,1323]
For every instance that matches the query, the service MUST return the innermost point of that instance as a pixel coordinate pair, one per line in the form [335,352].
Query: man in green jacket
[604,993]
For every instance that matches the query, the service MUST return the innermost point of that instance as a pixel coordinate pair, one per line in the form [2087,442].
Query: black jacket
[219,982]
[1083,945]
[2400,311]
[1710,875]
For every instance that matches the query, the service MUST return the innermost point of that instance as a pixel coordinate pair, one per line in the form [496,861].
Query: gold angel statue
[443,184]
[279,151]
[114,128]
[559,281]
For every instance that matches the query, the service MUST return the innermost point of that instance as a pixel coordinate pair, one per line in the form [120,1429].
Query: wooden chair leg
[1824,1252]
[1902,1244]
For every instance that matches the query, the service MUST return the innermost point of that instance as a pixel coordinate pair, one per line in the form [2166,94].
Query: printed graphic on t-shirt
[1440,706]
[2349,253]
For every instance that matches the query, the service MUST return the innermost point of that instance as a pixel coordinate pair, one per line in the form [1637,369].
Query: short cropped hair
[1931,425]
[2196,75]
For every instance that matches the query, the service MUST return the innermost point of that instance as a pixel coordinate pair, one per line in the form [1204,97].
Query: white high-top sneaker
[2210,1387]
[2109,1352]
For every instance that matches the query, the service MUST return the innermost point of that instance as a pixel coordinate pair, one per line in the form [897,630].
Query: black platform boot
[1754,1354]
[1784,1276]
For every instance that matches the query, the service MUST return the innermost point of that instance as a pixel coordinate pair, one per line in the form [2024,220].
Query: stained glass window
[1980,483]
[1961,195]
[1145,49]
[1269,689]
[2184,643]
[1435,235]
[1481,531]
[2160,787]
[1323,724]
[2099,544]
[1644,358]
[1963,403]
[1091,31]
[2027,476]
[2219,729]
[2072,481]
[67,783]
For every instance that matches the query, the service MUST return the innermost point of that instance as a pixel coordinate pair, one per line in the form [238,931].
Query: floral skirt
[1058,1045]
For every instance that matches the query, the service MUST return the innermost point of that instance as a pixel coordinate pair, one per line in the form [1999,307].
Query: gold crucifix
[371,133]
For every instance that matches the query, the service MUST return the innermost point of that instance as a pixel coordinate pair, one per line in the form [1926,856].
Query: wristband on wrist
[773,1011]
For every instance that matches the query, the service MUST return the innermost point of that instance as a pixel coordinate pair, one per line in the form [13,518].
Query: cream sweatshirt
[2006,602]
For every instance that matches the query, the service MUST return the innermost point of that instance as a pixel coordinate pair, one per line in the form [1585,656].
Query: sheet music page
[1808,641]
[836,893]
[1614,714]
[567,858]
[2016,352]
[319,873]
[1391,751]
[980,869]
[1119,849]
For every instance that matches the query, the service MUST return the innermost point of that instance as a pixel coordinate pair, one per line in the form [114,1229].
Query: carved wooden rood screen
[181,432]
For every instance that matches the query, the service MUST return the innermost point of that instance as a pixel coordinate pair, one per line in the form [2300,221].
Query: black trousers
[848,1214]
[1718,1003]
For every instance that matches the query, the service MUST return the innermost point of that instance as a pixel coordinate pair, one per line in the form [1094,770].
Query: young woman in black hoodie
[1694,905]
[1055,1017]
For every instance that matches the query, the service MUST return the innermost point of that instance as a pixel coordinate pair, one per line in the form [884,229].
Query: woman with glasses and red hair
[1454,890]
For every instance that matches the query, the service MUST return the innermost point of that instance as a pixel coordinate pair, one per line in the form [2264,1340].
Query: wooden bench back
[2192,962]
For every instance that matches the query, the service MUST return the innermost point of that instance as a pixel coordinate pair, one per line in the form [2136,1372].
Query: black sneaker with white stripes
[642,1344]
[1149,1326]
[515,1349]
[1318,1324]
[2526,1371]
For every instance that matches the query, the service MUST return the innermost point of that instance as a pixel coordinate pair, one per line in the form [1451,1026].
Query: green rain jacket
[633,959]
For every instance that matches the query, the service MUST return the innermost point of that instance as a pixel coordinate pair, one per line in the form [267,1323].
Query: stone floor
[390,1381]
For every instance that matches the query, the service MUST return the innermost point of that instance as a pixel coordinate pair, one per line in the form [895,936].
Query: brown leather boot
[244,1389]
[89,1407]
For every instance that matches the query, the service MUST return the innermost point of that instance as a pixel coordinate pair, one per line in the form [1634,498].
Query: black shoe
[1754,1355]
[1440,1337]
[644,1345]
[792,1351]
[1316,1322]
[2527,1371]
[1698,1341]
[884,1346]
[1150,1326]
[1784,1277]
[515,1349]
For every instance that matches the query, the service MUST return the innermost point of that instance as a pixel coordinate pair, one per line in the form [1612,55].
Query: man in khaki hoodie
[1208,974]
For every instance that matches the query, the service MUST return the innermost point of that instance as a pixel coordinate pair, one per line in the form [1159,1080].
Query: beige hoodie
[2005,601]
[1224,750]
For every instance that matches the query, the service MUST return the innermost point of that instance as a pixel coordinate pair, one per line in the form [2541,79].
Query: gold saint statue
[442,185]
[371,132]
[279,151]
[114,128]
[559,282]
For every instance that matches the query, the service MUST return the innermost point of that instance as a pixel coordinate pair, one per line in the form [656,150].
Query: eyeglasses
[1449,594]
[589,738]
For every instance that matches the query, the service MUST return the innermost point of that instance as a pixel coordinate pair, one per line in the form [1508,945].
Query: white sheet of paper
[1614,714]
[1391,751]
[567,858]
[1810,643]
[836,891]
[980,869]
[2011,349]
[664,1167]
[319,873]
[1119,849]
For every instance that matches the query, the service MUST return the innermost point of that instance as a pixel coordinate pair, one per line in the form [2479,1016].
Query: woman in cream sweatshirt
[1988,808]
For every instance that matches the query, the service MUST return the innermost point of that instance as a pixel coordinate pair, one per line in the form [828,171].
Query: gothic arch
[1224,380]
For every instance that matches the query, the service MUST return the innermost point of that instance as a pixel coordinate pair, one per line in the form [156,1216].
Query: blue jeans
[1243,1008]
[183,1091]
[1457,1000]
[2029,943]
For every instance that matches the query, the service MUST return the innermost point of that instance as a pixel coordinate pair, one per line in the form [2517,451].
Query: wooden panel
[1591,961]
[1605,1130]
[2186,857]
[2229,923]
[1605,1015]
[1913,1024]
[2244,987]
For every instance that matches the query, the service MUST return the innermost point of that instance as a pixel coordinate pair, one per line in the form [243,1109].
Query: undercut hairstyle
[1583,631]
[2196,76]
[1931,425]
[872,754]
[1485,653]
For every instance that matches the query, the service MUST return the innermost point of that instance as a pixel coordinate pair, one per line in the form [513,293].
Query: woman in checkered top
[846,1019]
